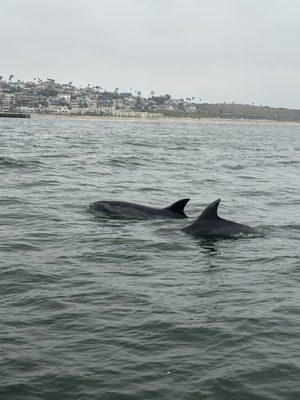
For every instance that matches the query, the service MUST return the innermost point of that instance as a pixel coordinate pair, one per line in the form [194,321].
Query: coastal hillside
[51,97]
[238,111]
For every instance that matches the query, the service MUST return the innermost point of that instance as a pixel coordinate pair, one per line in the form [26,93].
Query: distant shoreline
[225,121]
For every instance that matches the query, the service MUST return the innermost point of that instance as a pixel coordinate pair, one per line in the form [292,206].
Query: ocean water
[95,308]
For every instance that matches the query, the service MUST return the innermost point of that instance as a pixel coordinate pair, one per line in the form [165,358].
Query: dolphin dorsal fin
[178,207]
[211,211]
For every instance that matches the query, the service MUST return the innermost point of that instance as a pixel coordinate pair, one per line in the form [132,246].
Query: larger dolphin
[122,209]
[209,224]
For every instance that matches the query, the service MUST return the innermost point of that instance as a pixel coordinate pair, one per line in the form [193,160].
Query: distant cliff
[238,111]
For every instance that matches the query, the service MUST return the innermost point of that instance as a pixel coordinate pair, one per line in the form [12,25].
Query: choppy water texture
[96,308]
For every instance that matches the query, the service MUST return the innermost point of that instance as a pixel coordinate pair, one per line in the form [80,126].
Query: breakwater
[14,115]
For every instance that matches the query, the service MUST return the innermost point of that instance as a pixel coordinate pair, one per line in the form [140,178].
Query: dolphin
[209,224]
[122,209]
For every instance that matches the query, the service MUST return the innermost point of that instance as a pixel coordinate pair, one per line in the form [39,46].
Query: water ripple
[96,308]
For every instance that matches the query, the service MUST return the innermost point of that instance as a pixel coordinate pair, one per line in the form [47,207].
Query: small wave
[17,246]
[124,161]
[149,189]
[164,246]
[289,162]
[247,177]
[295,227]
[234,167]
[12,200]
[177,148]
[284,203]
[254,193]
[140,144]
[11,162]
[210,180]
[41,182]
[55,155]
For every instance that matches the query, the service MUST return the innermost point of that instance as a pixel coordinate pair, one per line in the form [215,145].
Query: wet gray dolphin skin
[122,209]
[209,224]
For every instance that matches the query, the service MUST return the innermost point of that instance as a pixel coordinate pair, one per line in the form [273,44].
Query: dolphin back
[210,212]
[210,224]
[178,207]
[123,209]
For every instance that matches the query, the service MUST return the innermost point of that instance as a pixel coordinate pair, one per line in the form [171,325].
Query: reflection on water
[208,245]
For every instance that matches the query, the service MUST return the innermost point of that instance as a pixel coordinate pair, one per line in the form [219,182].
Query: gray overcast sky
[217,50]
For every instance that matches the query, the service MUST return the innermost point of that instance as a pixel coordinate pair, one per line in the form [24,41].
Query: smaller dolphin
[209,224]
[122,209]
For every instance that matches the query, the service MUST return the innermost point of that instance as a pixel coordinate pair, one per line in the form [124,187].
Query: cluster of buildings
[51,97]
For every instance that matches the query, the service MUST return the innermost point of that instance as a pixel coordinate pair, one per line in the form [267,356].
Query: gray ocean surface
[96,308]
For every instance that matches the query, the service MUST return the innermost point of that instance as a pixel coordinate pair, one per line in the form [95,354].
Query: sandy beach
[212,121]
